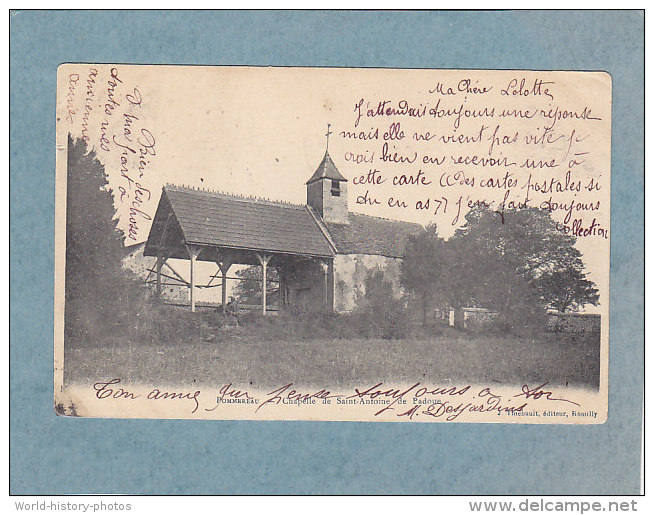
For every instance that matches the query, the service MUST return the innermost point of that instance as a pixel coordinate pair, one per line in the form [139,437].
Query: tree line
[517,265]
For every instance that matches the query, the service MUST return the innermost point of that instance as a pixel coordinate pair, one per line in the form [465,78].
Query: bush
[302,325]
[379,313]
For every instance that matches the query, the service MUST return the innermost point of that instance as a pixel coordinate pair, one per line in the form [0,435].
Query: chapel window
[336,188]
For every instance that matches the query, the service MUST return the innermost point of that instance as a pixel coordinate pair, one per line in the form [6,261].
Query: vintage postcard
[332,244]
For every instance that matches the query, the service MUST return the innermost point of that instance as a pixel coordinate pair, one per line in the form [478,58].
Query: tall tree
[97,288]
[569,288]
[520,260]
[526,238]
[427,271]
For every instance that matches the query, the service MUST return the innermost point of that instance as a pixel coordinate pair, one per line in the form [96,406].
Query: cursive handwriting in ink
[73,78]
[230,394]
[538,392]
[112,84]
[156,394]
[522,89]
[286,395]
[398,394]
[103,390]
[88,99]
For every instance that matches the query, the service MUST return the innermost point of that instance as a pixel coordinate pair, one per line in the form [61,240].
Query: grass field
[454,357]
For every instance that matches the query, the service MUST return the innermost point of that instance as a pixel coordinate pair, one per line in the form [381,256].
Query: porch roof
[206,218]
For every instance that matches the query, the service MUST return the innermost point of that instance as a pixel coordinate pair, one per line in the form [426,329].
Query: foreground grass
[237,358]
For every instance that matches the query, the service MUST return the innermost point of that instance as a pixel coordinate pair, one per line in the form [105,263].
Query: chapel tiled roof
[326,170]
[366,234]
[210,218]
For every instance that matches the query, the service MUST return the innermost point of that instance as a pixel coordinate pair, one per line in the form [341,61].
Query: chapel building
[322,251]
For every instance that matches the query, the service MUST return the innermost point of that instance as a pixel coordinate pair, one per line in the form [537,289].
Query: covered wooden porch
[287,267]
[195,225]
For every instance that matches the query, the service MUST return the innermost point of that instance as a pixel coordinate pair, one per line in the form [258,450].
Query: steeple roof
[326,170]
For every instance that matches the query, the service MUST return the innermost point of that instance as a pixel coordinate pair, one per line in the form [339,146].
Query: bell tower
[327,190]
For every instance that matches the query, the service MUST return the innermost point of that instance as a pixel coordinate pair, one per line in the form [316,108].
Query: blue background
[52,454]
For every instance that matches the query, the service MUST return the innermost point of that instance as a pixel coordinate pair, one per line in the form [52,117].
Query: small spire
[327,135]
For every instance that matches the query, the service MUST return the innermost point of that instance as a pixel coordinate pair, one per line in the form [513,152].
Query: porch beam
[179,282]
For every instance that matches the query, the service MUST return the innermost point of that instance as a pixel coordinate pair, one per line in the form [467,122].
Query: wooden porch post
[158,269]
[193,254]
[160,264]
[224,267]
[264,259]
